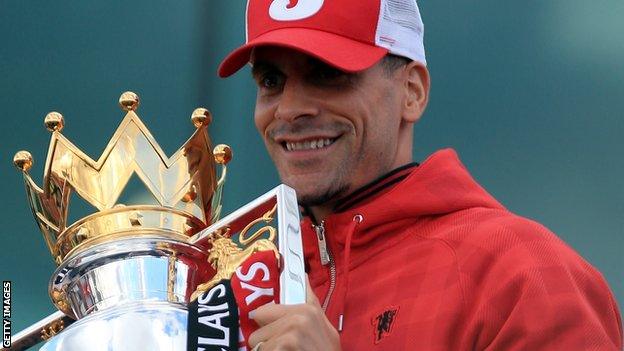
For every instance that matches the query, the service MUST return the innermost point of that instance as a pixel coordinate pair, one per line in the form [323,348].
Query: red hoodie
[436,263]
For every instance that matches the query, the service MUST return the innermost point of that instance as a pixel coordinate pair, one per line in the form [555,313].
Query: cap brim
[343,53]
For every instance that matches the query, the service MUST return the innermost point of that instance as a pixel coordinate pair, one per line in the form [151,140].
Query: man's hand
[294,327]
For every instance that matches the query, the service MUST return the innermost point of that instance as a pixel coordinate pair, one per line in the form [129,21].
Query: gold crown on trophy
[185,185]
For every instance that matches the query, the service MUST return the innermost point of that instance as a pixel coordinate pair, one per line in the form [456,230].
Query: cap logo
[292,10]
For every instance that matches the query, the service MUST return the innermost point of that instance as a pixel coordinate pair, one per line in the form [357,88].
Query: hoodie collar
[440,185]
[368,191]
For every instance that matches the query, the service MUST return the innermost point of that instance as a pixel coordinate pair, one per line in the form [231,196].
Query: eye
[269,81]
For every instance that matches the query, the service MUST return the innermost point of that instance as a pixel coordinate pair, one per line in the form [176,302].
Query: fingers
[268,313]
[265,334]
[290,327]
[294,327]
[256,347]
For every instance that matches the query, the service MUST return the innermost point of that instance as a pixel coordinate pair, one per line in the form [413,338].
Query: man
[401,256]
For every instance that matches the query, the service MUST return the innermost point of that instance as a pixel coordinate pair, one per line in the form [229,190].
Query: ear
[416,84]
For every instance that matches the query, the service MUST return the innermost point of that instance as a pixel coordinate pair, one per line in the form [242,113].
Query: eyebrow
[315,64]
[260,67]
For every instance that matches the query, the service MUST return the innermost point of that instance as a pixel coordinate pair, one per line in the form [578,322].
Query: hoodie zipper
[326,258]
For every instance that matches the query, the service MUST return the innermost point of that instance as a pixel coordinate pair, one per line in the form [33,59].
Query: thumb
[310,296]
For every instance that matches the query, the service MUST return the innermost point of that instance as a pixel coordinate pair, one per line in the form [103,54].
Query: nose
[295,102]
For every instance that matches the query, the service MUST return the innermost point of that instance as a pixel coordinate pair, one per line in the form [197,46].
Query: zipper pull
[322,244]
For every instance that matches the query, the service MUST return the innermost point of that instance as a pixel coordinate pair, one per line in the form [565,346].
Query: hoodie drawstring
[357,219]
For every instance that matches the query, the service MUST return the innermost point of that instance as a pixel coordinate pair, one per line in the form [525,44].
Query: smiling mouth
[310,144]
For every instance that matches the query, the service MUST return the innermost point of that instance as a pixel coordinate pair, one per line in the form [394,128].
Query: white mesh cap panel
[400,29]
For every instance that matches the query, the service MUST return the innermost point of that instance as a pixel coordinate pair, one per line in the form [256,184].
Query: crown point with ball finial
[54,121]
[201,117]
[129,101]
[23,160]
[222,154]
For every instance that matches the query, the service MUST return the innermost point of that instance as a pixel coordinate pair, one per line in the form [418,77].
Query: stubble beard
[318,194]
[336,186]
[323,198]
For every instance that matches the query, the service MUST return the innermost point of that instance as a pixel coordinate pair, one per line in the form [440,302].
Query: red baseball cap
[351,35]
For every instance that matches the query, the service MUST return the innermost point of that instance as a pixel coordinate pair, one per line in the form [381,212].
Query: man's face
[328,132]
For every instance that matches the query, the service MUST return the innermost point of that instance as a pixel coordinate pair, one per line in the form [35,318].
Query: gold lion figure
[225,257]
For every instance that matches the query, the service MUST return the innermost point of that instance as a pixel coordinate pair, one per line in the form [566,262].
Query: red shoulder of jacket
[523,287]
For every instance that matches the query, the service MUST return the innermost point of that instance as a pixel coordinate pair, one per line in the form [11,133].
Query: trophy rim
[72,241]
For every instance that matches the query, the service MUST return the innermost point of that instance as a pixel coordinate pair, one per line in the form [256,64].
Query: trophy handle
[40,331]
[284,198]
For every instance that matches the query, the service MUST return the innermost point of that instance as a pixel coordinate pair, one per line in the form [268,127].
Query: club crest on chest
[383,322]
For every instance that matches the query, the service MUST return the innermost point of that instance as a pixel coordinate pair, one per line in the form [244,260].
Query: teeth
[308,144]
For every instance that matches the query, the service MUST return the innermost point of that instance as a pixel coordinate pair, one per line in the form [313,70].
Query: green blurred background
[531,95]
